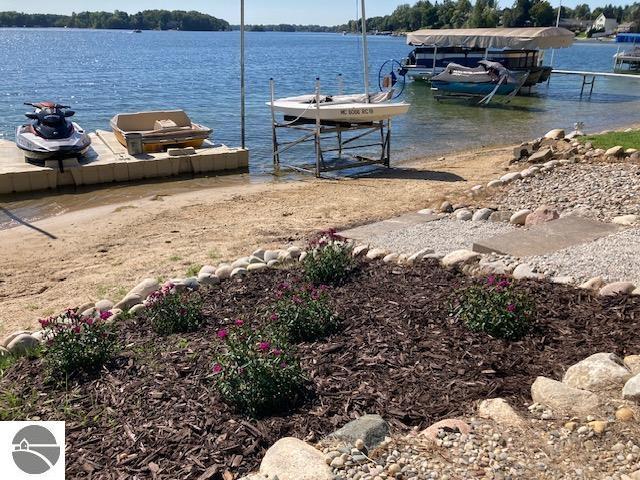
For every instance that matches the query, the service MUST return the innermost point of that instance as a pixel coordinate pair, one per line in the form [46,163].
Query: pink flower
[511,308]
[222,334]
[217,368]
[503,283]
[276,352]
[89,321]
[239,322]
[283,365]
[491,280]
[264,346]
[44,322]
[296,299]
[104,315]
[76,329]
[274,317]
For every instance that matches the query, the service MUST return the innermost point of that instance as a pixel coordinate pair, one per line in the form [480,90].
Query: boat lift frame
[317,131]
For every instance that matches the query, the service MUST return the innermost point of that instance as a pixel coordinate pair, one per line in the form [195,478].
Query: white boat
[357,108]
[347,109]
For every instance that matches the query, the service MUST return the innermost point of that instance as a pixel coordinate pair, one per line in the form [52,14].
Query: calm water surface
[101,73]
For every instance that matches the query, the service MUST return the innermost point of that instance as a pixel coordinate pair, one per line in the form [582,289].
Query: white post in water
[553,50]
[365,50]
[242,85]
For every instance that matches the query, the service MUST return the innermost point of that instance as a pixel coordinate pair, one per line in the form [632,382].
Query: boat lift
[347,136]
[589,78]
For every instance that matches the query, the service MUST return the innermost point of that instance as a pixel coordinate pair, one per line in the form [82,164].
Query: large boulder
[617,288]
[616,152]
[293,459]
[631,390]
[520,217]
[564,399]
[541,156]
[600,372]
[542,214]
[632,362]
[555,134]
[22,344]
[450,424]
[371,429]
[626,220]
[463,214]
[482,215]
[499,410]
[7,340]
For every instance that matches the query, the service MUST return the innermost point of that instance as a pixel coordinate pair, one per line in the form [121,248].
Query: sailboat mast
[365,50]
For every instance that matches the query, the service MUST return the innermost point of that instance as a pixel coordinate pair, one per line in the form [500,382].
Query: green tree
[542,14]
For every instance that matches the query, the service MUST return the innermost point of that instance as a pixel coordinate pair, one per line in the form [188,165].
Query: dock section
[108,161]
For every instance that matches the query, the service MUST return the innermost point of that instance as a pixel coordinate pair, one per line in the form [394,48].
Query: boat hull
[160,145]
[479,89]
[342,113]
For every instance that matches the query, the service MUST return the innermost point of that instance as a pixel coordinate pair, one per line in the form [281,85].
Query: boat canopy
[515,38]
[628,38]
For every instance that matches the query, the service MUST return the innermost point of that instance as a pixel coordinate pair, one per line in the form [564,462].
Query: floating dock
[108,161]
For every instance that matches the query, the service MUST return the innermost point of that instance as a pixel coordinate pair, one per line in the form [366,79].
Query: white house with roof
[609,25]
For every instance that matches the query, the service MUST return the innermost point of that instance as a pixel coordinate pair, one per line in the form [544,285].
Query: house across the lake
[607,25]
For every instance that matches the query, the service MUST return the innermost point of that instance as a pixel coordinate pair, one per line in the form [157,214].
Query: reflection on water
[107,72]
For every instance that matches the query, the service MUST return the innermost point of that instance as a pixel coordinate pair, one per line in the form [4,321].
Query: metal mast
[365,50]
[242,82]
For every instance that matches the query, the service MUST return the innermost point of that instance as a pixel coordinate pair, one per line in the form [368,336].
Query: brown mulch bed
[153,414]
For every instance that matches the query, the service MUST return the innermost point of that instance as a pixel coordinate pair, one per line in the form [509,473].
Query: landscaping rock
[499,410]
[294,251]
[510,177]
[520,217]
[391,258]
[104,305]
[7,340]
[600,372]
[39,336]
[273,263]
[238,272]
[631,390]
[360,250]
[555,134]
[205,278]
[632,362]
[616,152]
[541,156]
[420,255]
[595,284]
[625,414]
[129,301]
[564,399]
[21,344]
[446,207]
[293,459]
[4,352]
[376,253]
[136,309]
[242,262]
[451,425]
[257,267]
[259,253]
[617,288]
[524,271]
[626,220]
[253,260]
[460,257]
[495,184]
[482,215]
[145,288]
[542,214]
[211,270]
[500,216]
[223,272]
[463,214]
[271,255]
[371,429]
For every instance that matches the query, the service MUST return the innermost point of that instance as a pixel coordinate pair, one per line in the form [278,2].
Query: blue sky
[324,12]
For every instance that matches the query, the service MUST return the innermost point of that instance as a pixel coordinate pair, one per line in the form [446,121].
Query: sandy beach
[101,252]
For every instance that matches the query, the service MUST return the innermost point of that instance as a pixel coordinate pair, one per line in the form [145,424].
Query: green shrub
[76,344]
[174,311]
[329,260]
[303,314]
[495,308]
[255,372]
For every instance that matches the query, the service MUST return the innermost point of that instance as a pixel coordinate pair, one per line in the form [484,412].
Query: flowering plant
[329,260]
[496,308]
[76,343]
[173,311]
[303,314]
[256,372]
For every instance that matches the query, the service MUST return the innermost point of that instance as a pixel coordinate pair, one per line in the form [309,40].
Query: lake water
[101,73]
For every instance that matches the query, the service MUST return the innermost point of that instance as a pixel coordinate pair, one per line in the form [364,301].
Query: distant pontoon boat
[517,49]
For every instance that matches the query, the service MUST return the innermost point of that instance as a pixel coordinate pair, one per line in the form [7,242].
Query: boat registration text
[356,111]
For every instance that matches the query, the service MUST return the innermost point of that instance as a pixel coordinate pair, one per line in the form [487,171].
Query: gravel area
[602,190]
[615,258]
[443,236]
[544,450]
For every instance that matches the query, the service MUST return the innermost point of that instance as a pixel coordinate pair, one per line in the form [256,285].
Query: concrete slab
[547,238]
[107,161]
[365,232]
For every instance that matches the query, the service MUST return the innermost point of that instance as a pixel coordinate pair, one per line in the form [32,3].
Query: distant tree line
[146,20]
[485,13]
[286,27]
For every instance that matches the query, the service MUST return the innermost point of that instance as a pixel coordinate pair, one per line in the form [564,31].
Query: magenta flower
[217,368]
[239,322]
[264,346]
[277,352]
[274,317]
[511,308]
[491,280]
[89,321]
[76,329]
[105,315]
[503,283]
[222,334]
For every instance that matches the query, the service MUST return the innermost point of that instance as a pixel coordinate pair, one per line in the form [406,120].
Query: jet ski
[50,134]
